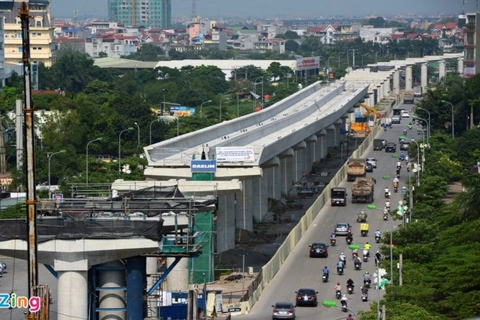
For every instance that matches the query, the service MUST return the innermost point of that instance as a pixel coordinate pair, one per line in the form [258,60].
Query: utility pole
[400,270]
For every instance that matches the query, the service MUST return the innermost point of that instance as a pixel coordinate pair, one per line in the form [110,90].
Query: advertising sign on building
[182,111]
[209,166]
[235,154]
[309,63]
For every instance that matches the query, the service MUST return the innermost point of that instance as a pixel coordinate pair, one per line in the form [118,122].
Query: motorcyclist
[387,192]
[409,166]
[364,290]
[367,246]
[349,236]
[344,300]
[387,205]
[338,287]
[378,256]
[342,258]
[354,254]
[378,234]
[326,272]
[358,261]
[366,277]
[399,164]
[339,265]
[349,317]
[333,236]
[404,132]
[350,283]
[407,158]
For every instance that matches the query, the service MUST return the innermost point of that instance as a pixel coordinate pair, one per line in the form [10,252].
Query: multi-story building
[112,45]
[146,13]
[42,47]
[471,43]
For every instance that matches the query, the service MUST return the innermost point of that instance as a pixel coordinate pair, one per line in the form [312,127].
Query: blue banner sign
[203,166]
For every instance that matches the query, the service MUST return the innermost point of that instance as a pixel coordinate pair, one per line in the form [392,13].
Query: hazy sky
[280,8]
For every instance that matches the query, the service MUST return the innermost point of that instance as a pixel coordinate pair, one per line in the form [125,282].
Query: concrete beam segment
[73,295]
[424,75]
[114,298]
[80,254]
[223,172]
[408,78]
[187,186]
[300,145]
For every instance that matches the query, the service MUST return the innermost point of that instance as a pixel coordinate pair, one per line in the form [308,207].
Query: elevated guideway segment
[286,139]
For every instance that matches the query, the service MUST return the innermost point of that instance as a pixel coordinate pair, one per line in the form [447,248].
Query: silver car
[283,310]
[373,162]
[342,229]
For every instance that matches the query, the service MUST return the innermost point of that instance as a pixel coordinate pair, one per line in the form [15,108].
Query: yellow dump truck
[356,168]
[363,190]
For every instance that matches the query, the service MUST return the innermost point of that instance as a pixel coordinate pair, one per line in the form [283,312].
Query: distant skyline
[280,8]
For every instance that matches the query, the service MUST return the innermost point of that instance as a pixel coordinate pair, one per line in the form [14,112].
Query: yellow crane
[370,110]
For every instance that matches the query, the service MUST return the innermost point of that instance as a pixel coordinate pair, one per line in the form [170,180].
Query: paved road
[300,271]
[15,280]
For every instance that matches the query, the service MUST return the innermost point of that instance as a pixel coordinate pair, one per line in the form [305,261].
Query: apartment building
[146,13]
[42,46]
[471,42]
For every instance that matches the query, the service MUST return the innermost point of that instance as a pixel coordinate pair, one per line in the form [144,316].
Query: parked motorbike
[338,294]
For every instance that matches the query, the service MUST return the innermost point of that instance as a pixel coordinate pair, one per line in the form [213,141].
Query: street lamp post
[330,304]
[120,148]
[418,161]
[138,130]
[50,155]
[429,121]
[201,107]
[453,118]
[86,158]
[255,90]
[428,129]
[150,129]
[220,112]
[163,105]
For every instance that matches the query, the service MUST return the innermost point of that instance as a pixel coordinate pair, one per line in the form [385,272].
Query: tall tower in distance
[146,13]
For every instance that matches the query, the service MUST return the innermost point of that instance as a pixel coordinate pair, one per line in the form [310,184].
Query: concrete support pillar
[396,82]
[136,267]
[330,139]
[441,69]
[179,277]
[386,87]
[243,202]
[260,198]
[424,76]
[310,152]
[112,277]
[276,182]
[298,161]
[225,223]
[380,92]
[408,78]
[286,163]
[72,295]
[460,66]
[338,136]
[371,99]
[319,145]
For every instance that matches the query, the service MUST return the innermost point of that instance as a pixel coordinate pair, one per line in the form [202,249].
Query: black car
[390,147]
[318,250]
[306,297]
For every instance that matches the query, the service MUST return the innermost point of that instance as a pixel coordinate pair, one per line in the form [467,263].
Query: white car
[405,115]
[373,162]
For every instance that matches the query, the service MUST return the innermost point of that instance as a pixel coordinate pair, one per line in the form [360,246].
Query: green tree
[147,52]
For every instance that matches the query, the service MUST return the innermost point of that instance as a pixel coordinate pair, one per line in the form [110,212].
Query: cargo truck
[409,97]
[378,144]
[356,168]
[363,190]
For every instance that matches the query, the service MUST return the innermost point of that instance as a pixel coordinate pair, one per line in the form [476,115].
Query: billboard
[309,63]
[181,111]
[209,166]
[235,154]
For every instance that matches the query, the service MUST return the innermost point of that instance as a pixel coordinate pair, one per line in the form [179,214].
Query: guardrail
[270,269]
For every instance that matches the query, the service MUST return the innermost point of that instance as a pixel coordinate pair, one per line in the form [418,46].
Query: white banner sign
[310,63]
[235,154]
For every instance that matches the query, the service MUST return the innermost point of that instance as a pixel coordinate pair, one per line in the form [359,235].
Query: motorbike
[364,297]
[338,294]
[349,241]
[367,283]
[385,217]
[333,241]
[357,266]
[377,239]
[387,194]
[344,261]
[365,258]
[325,278]
[344,306]
[350,289]
[339,271]
[395,188]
